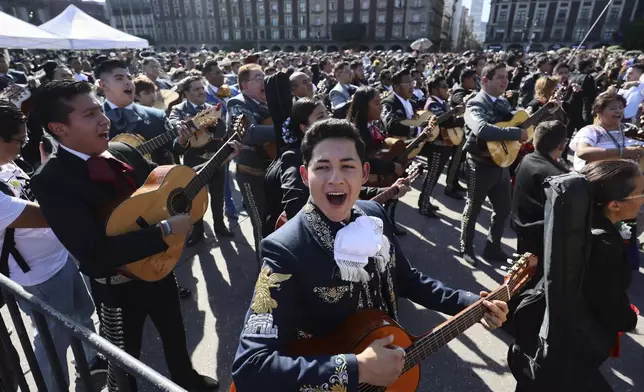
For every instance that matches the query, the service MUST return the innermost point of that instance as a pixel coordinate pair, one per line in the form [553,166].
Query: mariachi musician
[255,157]
[441,149]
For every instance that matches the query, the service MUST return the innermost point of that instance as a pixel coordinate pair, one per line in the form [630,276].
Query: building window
[166,7]
[317,7]
[274,8]
[262,21]
[517,35]
[223,11]
[380,31]
[562,14]
[156,8]
[247,9]
[224,23]
[302,5]
[191,31]
[348,18]
[249,34]
[317,21]
[224,35]
[275,34]
[249,22]
[288,20]
[333,6]
[212,29]
[274,21]
[415,18]
[234,10]
[417,3]
[499,35]
[333,18]
[176,6]
[503,16]
[348,5]
[608,34]
[398,3]
[262,34]
[289,33]
[396,32]
[557,34]
[186,7]
[539,17]
[288,8]
[613,14]
[579,34]
[180,35]
[302,19]
[381,18]
[260,9]
[398,17]
[237,34]
[520,17]
[584,14]
[382,4]
[365,4]
[302,33]
[201,30]
[364,18]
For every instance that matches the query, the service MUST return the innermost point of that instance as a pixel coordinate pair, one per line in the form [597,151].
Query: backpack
[538,354]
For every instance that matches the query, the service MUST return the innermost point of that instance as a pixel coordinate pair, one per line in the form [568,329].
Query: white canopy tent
[85,32]
[18,34]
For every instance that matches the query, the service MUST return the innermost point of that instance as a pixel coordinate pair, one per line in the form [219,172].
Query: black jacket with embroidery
[299,294]
[393,112]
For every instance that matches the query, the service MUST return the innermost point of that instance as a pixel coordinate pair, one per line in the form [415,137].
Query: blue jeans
[66,292]
[231,211]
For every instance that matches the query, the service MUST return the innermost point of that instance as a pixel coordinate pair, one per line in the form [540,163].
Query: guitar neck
[416,142]
[385,196]
[158,141]
[205,174]
[450,329]
[537,117]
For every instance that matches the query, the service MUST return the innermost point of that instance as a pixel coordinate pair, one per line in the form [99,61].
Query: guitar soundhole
[178,203]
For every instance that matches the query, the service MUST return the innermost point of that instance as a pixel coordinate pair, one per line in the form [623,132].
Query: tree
[633,34]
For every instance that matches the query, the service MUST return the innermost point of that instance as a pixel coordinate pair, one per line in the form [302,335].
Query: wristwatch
[166,228]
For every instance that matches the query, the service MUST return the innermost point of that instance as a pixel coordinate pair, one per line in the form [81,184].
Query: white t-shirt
[40,248]
[596,136]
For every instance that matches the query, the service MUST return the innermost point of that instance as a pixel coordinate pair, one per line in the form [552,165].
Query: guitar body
[131,139]
[354,335]
[433,134]
[393,149]
[505,152]
[270,148]
[419,118]
[151,203]
[200,138]
[452,136]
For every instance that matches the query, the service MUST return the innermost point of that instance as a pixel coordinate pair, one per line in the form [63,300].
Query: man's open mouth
[104,135]
[336,198]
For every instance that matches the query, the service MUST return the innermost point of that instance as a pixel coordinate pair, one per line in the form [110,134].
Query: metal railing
[122,362]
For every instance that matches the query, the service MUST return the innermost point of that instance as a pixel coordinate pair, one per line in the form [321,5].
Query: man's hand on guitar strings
[185,133]
[403,188]
[237,148]
[381,363]
[497,312]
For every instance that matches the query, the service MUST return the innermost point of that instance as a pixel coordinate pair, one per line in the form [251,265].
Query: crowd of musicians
[313,138]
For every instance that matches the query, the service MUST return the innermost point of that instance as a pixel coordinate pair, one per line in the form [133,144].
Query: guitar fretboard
[157,142]
[449,330]
[441,119]
[538,116]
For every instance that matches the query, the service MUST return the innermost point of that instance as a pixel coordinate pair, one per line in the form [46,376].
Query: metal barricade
[79,335]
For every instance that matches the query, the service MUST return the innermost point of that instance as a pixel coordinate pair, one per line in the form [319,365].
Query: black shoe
[399,231]
[469,258]
[494,254]
[194,240]
[201,383]
[454,194]
[184,293]
[458,188]
[224,232]
[429,213]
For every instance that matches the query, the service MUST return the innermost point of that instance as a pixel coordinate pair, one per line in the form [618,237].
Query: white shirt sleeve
[586,135]
[10,209]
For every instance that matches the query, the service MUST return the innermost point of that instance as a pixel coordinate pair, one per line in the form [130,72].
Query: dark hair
[144,84]
[474,61]
[148,60]
[435,82]
[331,128]
[108,66]
[548,135]
[184,84]
[300,113]
[11,119]
[638,66]
[398,76]
[466,74]
[385,74]
[604,99]
[490,69]
[209,65]
[339,66]
[358,113]
[543,61]
[560,66]
[356,64]
[414,71]
[583,65]
[51,101]
[612,179]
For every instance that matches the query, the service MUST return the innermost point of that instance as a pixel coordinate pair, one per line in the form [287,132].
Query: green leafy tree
[633,35]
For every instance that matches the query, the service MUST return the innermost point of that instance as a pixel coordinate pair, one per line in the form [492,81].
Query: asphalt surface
[221,275]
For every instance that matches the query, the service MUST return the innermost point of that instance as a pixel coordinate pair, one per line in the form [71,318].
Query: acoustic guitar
[19,96]
[169,190]
[357,332]
[413,172]
[207,117]
[505,152]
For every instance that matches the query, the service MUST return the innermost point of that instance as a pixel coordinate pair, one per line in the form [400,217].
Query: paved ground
[221,275]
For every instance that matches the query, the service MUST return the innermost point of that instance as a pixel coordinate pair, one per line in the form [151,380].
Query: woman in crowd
[608,136]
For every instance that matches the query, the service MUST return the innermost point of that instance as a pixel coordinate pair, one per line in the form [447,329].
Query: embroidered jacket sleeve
[261,362]
[425,291]
[391,119]
[479,120]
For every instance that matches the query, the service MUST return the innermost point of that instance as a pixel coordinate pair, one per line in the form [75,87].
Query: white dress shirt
[634,97]
[80,77]
[409,110]
[112,106]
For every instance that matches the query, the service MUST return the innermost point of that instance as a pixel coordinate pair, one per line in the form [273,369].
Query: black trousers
[216,188]
[485,180]
[437,156]
[122,310]
[454,165]
[253,192]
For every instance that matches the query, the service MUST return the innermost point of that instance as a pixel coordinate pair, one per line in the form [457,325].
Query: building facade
[538,25]
[476,12]
[278,24]
[38,12]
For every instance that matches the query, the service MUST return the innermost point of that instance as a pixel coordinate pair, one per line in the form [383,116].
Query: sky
[486,8]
